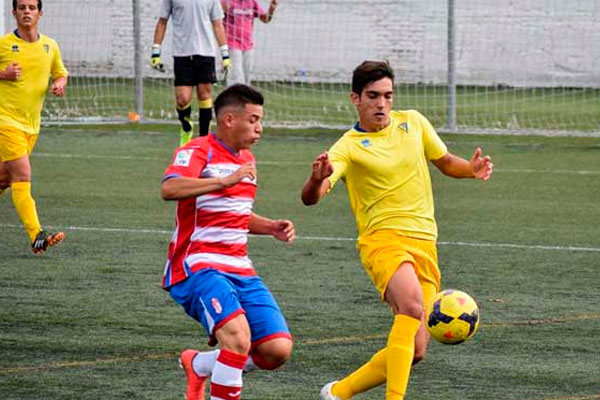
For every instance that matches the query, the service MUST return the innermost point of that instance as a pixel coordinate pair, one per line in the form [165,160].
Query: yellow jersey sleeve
[58,67]
[433,145]
[339,158]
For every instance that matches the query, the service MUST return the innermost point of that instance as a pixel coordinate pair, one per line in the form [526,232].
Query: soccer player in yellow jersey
[383,161]
[27,60]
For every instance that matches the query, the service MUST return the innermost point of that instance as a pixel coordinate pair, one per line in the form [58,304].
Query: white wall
[521,43]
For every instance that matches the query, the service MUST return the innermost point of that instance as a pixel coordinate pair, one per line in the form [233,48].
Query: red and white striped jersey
[211,229]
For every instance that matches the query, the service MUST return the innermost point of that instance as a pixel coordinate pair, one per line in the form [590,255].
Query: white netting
[520,66]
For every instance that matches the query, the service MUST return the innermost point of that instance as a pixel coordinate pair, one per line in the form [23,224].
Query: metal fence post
[451,122]
[138,60]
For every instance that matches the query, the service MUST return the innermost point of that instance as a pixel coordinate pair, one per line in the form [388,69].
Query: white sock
[204,362]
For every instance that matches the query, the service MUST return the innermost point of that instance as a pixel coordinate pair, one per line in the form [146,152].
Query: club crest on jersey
[365,142]
[216,305]
[15,48]
[47,48]
[183,158]
[403,126]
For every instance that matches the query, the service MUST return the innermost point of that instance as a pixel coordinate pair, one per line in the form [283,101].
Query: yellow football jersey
[387,175]
[21,101]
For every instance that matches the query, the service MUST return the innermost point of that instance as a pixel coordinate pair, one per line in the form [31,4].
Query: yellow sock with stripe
[400,352]
[205,115]
[370,375]
[25,206]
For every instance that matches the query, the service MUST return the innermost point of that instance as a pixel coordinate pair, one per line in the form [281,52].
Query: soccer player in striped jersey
[383,161]
[208,272]
[27,60]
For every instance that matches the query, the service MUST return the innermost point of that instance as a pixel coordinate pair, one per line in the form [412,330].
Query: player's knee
[413,309]
[275,355]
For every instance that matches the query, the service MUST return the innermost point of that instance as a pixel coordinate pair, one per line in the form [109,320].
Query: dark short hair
[238,95]
[370,71]
[39,4]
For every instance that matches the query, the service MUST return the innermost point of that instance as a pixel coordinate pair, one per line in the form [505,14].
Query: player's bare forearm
[219,32]
[280,229]
[159,31]
[317,184]
[457,167]
[313,190]
[266,18]
[182,188]
[260,225]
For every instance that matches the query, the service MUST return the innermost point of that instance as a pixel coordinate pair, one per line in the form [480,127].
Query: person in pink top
[239,27]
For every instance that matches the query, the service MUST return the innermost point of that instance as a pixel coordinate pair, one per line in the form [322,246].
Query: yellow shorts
[15,143]
[383,251]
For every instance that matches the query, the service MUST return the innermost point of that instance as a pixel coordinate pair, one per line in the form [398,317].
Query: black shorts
[194,70]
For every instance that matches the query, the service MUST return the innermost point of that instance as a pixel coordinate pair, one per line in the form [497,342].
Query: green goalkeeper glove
[225,60]
[155,61]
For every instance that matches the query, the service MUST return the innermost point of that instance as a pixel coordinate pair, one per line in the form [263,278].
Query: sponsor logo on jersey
[216,305]
[183,158]
[365,142]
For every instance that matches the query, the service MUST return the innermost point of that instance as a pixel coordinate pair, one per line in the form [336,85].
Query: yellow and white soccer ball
[453,317]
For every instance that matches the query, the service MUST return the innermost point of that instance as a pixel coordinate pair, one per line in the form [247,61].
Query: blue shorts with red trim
[213,297]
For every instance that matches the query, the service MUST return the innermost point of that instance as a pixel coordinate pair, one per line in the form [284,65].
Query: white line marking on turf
[326,238]
[307,163]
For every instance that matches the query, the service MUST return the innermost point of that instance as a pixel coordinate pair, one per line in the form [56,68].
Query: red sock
[226,380]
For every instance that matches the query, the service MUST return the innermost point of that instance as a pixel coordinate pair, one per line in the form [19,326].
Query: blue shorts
[212,298]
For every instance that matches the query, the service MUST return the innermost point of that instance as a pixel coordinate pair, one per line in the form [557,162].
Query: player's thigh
[234,334]
[209,297]
[19,170]
[248,63]
[404,293]
[262,311]
[236,75]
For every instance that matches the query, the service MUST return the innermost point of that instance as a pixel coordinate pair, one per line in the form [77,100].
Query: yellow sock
[400,352]
[370,375]
[25,205]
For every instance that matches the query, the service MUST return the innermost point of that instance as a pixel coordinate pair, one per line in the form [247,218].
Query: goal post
[519,67]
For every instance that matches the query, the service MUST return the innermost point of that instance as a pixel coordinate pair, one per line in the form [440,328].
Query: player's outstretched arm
[477,167]
[178,188]
[317,183]
[266,18]
[280,229]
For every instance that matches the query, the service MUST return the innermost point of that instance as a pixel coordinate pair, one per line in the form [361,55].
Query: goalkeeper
[196,23]
[27,60]
[383,162]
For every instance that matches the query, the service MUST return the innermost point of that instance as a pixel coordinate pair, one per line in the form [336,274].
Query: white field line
[307,163]
[326,238]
